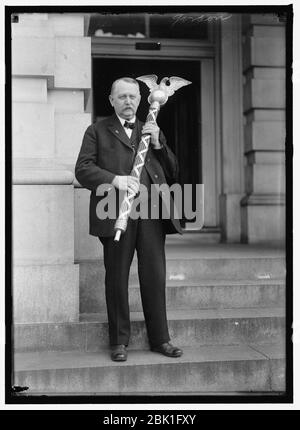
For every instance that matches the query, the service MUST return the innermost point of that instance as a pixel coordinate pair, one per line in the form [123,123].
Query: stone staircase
[226,309]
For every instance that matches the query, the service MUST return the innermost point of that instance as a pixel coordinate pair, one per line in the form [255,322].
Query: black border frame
[286,12]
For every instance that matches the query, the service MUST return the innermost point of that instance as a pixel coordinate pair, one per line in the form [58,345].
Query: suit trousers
[147,237]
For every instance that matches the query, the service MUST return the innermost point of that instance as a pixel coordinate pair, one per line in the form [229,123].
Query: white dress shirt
[128,131]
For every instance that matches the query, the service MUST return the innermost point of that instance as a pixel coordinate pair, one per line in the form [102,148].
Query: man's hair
[125,79]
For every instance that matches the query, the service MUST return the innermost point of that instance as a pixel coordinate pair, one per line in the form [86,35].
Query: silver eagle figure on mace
[159,94]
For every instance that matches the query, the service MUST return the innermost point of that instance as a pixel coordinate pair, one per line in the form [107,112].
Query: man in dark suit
[106,157]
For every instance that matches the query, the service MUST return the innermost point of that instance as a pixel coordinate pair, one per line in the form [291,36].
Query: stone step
[197,295]
[214,369]
[189,269]
[186,328]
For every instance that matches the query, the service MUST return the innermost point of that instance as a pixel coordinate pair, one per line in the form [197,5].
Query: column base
[263,219]
[46,293]
[230,215]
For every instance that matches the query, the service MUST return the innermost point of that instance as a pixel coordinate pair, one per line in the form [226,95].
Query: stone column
[263,207]
[51,75]
[231,129]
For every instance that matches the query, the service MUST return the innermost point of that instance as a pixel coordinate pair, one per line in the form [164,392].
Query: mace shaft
[139,161]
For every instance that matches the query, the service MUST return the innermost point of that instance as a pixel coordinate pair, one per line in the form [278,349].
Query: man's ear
[111,99]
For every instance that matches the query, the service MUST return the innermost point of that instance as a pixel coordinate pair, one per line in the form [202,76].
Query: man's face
[125,99]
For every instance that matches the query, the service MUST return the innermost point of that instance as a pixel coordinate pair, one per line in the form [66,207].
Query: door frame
[186,50]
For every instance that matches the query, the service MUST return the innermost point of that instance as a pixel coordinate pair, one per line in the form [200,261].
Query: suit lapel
[138,130]
[115,127]
[135,136]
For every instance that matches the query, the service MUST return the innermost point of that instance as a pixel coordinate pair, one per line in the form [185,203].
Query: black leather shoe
[168,349]
[118,353]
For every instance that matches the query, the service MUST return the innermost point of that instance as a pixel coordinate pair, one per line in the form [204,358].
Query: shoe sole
[167,355]
[118,359]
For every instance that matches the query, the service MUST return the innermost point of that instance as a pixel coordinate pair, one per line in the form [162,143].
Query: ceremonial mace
[159,94]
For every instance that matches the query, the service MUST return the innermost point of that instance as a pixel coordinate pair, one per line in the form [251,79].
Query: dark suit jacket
[106,151]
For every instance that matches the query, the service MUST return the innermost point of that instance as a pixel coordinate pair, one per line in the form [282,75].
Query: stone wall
[51,79]
[263,207]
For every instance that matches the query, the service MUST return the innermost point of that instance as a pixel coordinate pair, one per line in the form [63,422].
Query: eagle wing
[175,84]
[149,80]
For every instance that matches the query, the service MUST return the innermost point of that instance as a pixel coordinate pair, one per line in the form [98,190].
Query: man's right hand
[126,183]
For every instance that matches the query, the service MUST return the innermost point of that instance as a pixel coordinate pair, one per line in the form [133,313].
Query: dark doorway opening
[179,118]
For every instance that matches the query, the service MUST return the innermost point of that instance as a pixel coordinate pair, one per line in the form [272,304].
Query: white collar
[122,120]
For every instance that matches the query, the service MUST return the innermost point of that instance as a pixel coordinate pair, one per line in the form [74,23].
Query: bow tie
[129,125]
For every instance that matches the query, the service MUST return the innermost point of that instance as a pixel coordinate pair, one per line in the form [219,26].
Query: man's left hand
[152,129]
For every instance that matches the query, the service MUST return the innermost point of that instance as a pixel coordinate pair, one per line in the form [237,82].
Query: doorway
[179,119]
